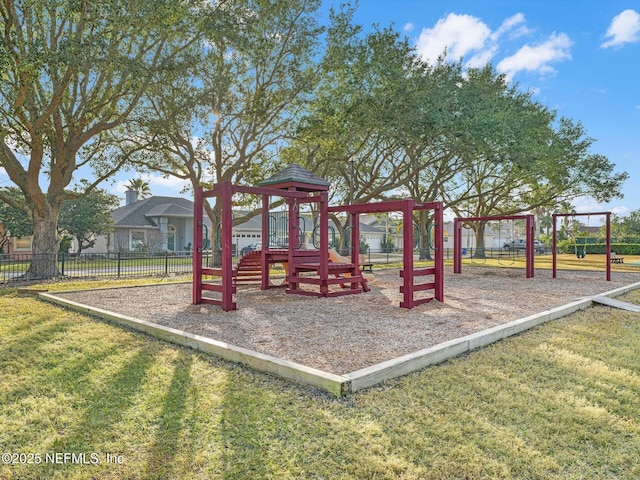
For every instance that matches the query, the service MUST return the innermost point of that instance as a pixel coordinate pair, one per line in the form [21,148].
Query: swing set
[529,235]
[582,252]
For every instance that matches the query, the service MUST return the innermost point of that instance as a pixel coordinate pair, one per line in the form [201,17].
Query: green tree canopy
[72,75]
[139,186]
[13,220]
[87,216]
[626,229]
[254,78]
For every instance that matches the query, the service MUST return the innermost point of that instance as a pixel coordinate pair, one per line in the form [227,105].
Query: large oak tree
[72,74]
[229,121]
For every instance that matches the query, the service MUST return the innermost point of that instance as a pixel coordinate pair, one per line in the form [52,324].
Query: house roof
[170,210]
[143,212]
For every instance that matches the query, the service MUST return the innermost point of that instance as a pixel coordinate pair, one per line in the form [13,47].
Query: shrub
[568,246]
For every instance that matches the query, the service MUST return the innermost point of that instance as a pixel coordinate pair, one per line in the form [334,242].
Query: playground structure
[529,236]
[583,253]
[309,267]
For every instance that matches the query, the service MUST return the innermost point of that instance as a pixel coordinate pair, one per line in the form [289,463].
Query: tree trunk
[80,245]
[479,232]
[44,261]
[215,242]
[424,222]
[344,246]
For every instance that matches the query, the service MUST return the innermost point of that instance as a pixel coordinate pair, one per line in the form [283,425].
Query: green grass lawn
[561,401]
[564,262]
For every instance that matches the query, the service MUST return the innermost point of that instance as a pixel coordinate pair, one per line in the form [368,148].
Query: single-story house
[154,224]
[496,234]
[251,231]
[166,224]
[9,245]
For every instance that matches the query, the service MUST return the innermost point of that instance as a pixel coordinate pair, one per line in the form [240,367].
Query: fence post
[166,263]
[118,257]
[62,266]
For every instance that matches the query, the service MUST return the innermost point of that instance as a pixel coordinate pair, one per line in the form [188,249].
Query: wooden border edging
[335,384]
[620,290]
[340,385]
[612,302]
[397,367]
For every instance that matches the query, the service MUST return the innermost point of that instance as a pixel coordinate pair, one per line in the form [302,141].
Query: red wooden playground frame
[298,260]
[408,273]
[608,235]
[529,236]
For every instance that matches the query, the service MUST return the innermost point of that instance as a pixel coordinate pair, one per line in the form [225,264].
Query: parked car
[521,244]
[249,248]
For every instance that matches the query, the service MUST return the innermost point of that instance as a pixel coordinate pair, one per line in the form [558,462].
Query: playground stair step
[249,268]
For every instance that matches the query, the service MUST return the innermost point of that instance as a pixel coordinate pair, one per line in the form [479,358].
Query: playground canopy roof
[296,176]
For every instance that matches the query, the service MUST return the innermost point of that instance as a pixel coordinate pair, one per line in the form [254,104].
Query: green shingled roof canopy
[296,176]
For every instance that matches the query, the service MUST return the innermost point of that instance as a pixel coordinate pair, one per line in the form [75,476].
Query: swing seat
[581,254]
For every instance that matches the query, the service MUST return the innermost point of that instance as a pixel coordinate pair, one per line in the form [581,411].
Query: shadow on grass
[105,406]
[32,344]
[269,428]
[174,405]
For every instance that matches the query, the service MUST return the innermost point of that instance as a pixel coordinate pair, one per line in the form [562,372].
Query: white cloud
[624,28]
[480,59]
[585,204]
[458,34]
[621,211]
[171,183]
[408,27]
[468,37]
[165,186]
[538,58]
[509,24]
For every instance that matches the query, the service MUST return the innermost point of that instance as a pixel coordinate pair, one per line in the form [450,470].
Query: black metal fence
[110,265]
[467,253]
[121,264]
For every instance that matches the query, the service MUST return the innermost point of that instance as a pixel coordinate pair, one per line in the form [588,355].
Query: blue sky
[581,58]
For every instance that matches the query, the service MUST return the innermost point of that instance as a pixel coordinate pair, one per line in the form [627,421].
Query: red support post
[323,273]
[438,216]
[355,239]
[196,293]
[530,252]
[292,224]
[554,246]
[407,253]
[608,233]
[264,241]
[225,198]
[457,245]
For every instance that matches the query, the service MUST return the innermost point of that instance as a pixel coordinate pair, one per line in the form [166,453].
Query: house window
[22,244]
[137,240]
